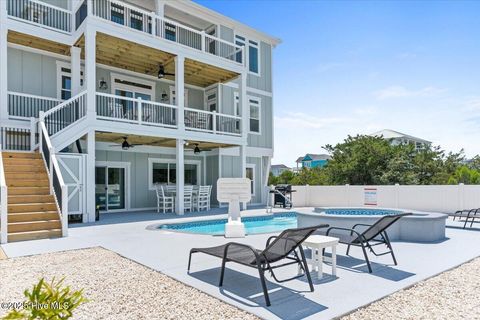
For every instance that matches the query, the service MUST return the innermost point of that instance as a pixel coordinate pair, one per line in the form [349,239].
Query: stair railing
[3,202]
[58,188]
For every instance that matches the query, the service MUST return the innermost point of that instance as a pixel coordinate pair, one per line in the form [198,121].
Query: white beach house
[106,99]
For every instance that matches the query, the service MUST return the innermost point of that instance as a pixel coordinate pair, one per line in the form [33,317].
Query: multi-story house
[105,99]
[397,138]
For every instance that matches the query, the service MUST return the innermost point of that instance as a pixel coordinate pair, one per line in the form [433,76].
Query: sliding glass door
[110,188]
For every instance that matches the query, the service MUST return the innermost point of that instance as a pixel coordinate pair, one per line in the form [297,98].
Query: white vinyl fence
[437,198]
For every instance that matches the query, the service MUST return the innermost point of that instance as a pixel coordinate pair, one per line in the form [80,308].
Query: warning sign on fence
[370,196]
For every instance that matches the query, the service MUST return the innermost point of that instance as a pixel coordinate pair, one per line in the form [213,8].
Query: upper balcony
[198,35]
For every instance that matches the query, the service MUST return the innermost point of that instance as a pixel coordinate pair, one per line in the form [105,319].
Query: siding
[212,176]
[264,139]
[140,195]
[226,33]
[264,81]
[32,73]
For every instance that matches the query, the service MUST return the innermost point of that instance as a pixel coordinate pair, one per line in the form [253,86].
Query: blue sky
[358,67]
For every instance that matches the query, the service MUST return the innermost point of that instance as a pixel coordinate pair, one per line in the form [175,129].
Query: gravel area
[454,294]
[117,288]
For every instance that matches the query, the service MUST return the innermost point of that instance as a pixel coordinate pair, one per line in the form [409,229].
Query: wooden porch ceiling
[117,138]
[132,56]
[37,43]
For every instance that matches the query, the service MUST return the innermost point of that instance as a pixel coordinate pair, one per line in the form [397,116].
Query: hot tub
[418,227]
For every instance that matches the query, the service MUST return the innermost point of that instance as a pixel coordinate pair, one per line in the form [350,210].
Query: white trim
[39,51]
[152,160]
[259,103]
[60,73]
[121,165]
[234,85]
[125,87]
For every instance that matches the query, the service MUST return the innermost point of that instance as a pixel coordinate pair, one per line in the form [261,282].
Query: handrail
[109,95]
[58,188]
[213,113]
[27,95]
[65,114]
[51,6]
[63,104]
[3,202]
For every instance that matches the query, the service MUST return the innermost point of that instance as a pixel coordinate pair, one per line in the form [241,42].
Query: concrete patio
[354,287]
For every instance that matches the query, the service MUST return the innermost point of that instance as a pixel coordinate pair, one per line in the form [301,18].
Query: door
[72,167]
[110,188]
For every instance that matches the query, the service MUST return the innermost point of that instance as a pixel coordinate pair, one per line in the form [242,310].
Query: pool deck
[127,235]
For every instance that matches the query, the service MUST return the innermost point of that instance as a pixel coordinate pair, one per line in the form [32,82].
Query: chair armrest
[361,224]
[270,239]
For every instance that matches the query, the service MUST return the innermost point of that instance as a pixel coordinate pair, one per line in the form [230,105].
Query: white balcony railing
[65,114]
[125,109]
[212,122]
[24,105]
[41,13]
[148,22]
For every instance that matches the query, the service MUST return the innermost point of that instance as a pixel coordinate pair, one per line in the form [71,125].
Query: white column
[180,176]
[180,90]
[90,70]
[3,61]
[243,104]
[243,167]
[160,7]
[90,178]
[76,69]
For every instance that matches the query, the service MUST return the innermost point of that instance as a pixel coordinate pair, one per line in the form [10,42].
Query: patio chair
[373,235]
[163,201]
[203,198]
[287,245]
[188,198]
[467,214]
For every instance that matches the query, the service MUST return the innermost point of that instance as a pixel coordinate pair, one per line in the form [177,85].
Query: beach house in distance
[277,169]
[311,160]
[106,99]
[397,138]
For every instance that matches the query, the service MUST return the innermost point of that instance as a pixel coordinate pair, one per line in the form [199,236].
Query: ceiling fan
[197,150]
[125,145]
[162,73]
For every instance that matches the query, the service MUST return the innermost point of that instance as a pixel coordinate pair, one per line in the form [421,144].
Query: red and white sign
[370,196]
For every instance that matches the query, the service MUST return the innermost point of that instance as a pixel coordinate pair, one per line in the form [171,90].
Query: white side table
[317,243]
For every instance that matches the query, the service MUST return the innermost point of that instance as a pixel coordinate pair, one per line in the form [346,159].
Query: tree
[465,175]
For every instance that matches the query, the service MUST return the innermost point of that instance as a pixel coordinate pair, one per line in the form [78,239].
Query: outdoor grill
[283,195]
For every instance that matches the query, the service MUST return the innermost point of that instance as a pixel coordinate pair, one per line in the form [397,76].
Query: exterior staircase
[32,210]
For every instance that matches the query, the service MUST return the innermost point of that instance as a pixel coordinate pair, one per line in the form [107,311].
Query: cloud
[402,92]
[472,104]
[299,120]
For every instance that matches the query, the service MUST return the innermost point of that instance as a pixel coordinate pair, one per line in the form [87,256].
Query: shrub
[48,301]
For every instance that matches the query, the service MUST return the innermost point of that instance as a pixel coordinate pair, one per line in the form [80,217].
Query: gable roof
[313,157]
[392,134]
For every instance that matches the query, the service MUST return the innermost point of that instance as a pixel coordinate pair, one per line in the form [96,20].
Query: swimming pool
[359,211]
[253,225]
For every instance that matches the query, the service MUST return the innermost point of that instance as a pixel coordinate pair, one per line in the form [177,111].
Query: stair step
[28,191]
[27,183]
[21,155]
[31,207]
[26,226]
[24,168]
[22,161]
[18,199]
[34,235]
[26,175]
[32,216]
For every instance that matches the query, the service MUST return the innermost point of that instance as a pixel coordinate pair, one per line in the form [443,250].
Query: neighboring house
[277,169]
[311,160]
[133,94]
[398,138]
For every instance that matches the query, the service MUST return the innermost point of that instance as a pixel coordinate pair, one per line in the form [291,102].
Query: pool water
[360,211]
[253,225]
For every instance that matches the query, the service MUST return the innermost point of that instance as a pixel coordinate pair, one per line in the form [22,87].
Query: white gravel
[454,294]
[117,288]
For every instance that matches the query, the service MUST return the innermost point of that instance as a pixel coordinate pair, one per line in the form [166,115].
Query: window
[64,80]
[211,100]
[250,174]
[162,171]
[253,57]
[254,105]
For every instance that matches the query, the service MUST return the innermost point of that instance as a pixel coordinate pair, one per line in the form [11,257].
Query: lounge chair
[467,214]
[373,235]
[283,246]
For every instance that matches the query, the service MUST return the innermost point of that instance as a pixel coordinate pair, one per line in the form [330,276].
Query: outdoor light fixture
[102,85]
[197,149]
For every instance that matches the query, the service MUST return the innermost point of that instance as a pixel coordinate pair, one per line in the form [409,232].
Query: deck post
[245,112]
[75,67]
[90,177]
[3,62]
[180,176]
[90,70]
[180,91]
[243,166]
